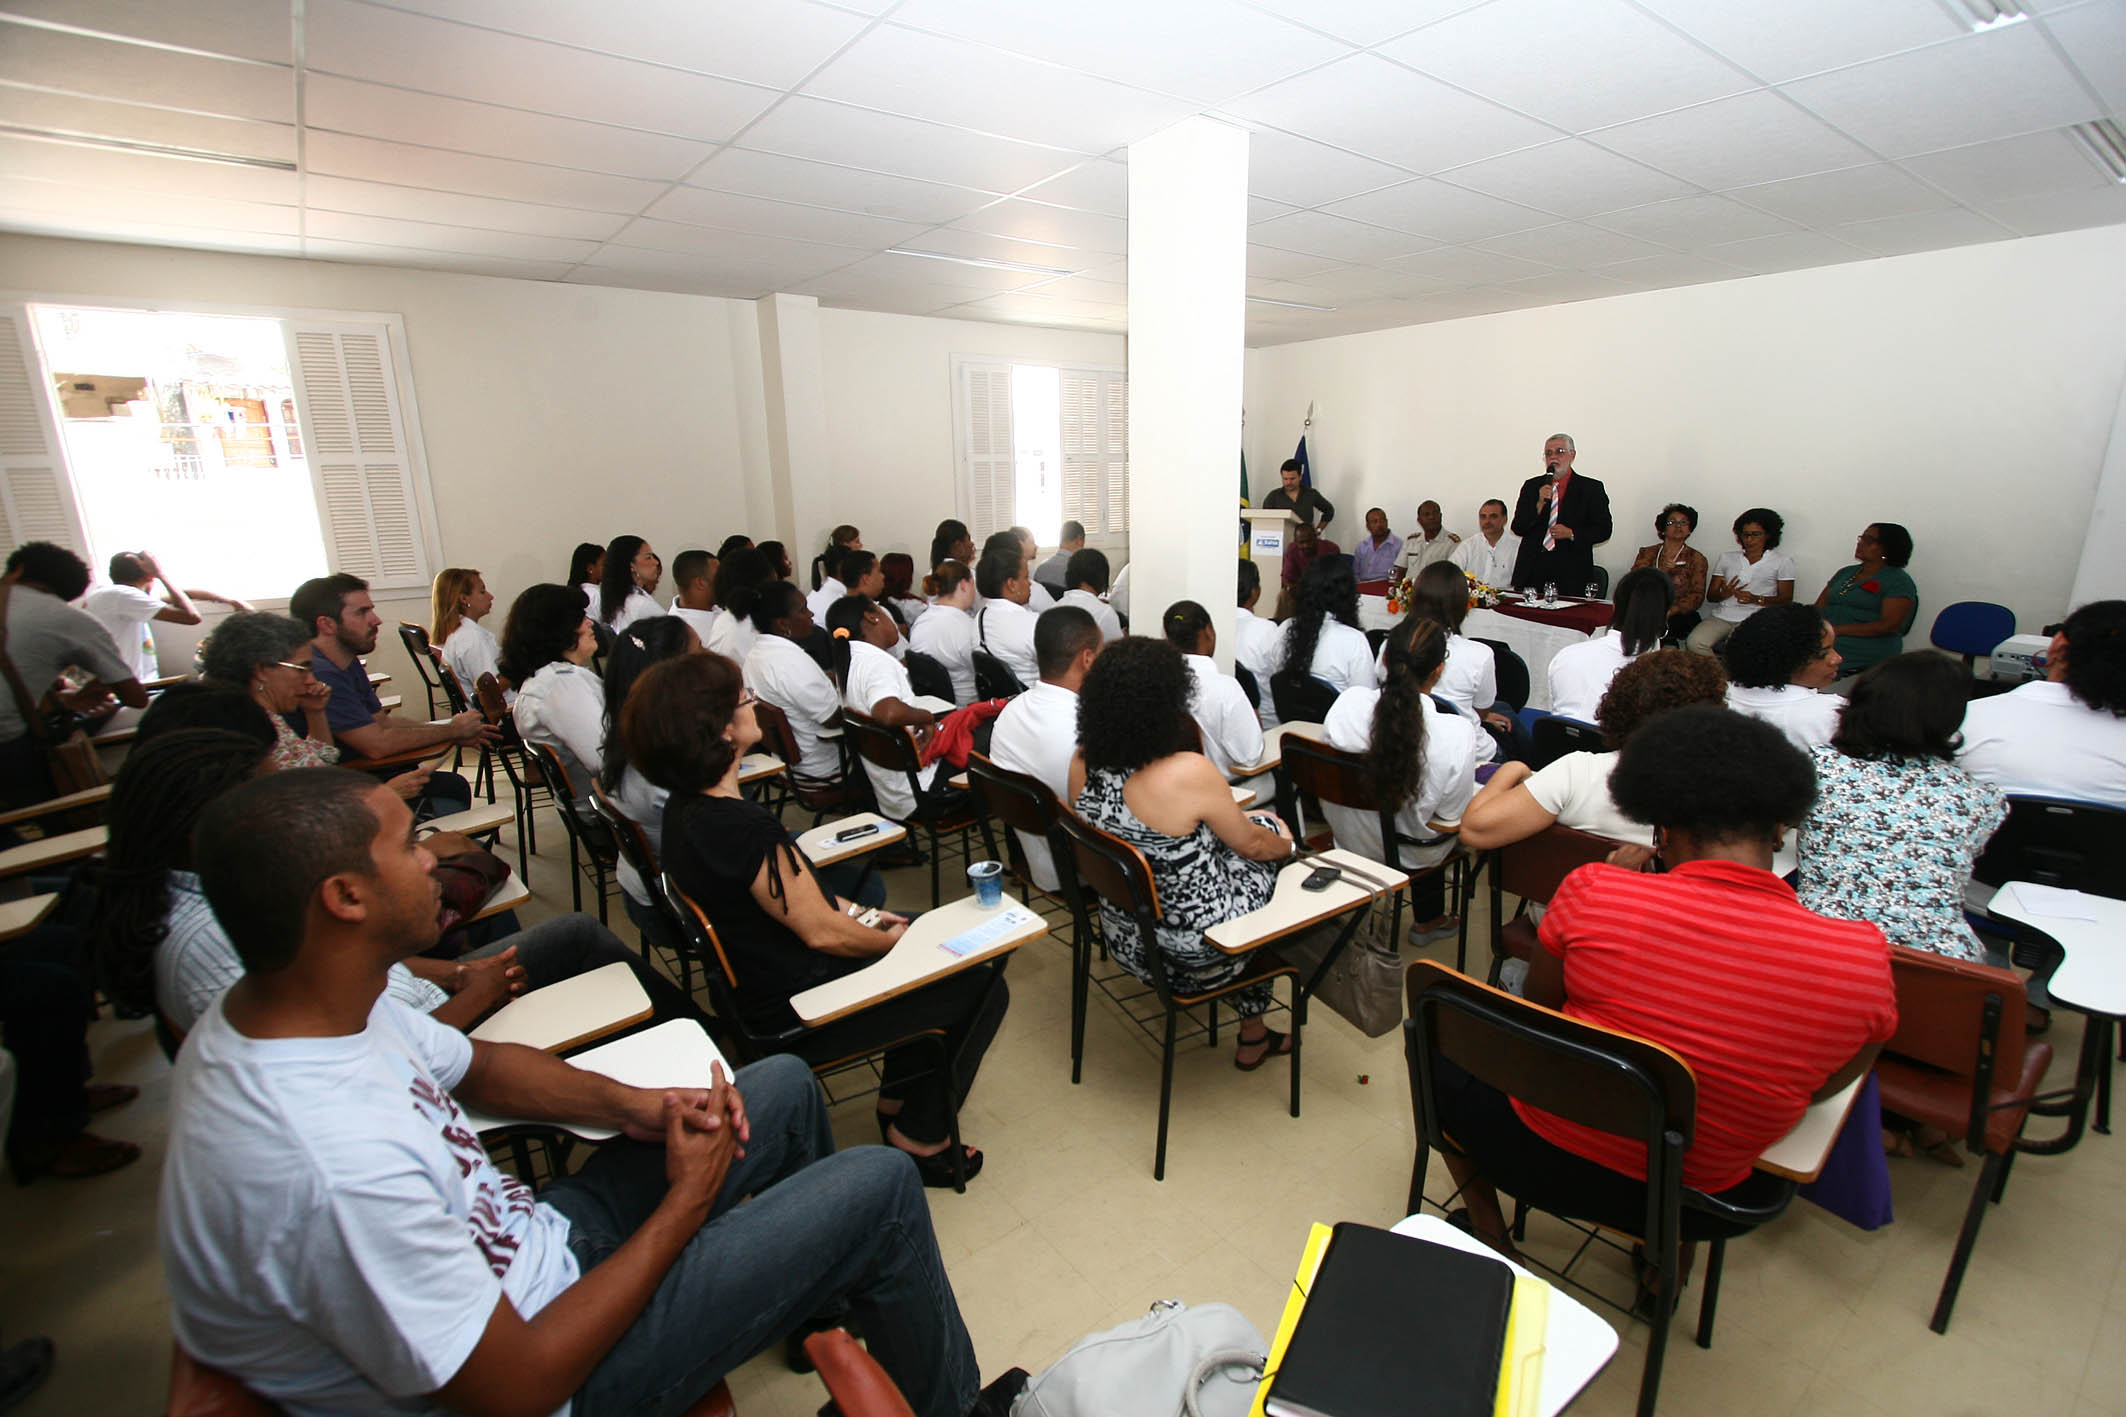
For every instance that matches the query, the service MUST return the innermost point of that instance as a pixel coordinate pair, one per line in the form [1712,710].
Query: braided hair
[159,794]
[1395,761]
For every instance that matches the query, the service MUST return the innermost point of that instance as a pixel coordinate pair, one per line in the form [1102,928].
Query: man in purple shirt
[1373,559]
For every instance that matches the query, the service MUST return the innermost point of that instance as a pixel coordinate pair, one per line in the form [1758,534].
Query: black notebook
[1395,1327]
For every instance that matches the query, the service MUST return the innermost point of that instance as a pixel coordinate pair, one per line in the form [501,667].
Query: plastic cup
[987,878]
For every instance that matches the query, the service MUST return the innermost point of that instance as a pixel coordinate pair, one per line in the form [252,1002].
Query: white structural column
[1188,209]
[2102,574]
[793,385]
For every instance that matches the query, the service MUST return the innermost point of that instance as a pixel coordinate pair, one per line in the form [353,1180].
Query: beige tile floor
[1065,1232]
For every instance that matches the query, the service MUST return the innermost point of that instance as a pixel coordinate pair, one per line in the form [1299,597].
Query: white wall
[1968,394]
[889,413]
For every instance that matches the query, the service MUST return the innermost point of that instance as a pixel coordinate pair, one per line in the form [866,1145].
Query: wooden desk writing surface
[2091,933]
[821,849]
[932,704]
[482,817]
[1273,746]
[1292,907]
[19,917]
[507,896]
[86,797]
[53,850]
[918,957]
[1800,1155]
[677,1053]
[571,1012]
[755,766]
[120,727]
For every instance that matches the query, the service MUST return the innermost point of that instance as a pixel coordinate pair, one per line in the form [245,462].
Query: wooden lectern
[1267,527]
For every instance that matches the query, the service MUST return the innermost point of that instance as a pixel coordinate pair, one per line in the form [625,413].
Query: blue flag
[1306,473]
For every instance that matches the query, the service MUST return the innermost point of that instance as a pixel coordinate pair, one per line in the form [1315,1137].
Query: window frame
[964,491]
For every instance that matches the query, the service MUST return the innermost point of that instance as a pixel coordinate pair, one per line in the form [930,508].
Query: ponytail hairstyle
[447,605]
[950,533]
[1327,587]
[1642,601]
[1441,592]
[619,580]
[1184,623]
[949,576]
[845,622]
[1395,762]
[739,578]
[650,640]
[580,562]
[855,566]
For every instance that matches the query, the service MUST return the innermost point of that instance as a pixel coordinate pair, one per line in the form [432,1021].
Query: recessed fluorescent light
[1983,15]
[1289,304]
[127,145]
[984,263]
[2104,141]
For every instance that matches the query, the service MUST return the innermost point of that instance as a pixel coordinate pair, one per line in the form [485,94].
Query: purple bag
[1855,1184]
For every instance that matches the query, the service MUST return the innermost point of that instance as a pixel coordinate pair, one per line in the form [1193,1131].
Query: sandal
[1273,1045]
[936,1168]
[81,1155]
[1930,1142]
[103,1096]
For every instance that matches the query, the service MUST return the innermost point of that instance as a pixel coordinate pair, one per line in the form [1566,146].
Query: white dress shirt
[781,672]
[1259,645]
[1343,659]
[946,634]
[641,802]
[703,621]
[1580,675]
[729,636]
[2039,740]
[1232,734]
[1453,747]
[563,706]
[1036,734]
[1103,614]
[830,590]
[1807,718]
[1006,631]
[639,605]
[1493,565]
[1418,553]
[470,652]
[875,675]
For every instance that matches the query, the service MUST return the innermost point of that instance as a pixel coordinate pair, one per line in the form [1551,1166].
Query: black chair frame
[893,749]
[527,785]
[633,845]
[415,638]
[1022,802]
[454,694]
[1510,672]
[993,678]
[590,853]
[1553,736]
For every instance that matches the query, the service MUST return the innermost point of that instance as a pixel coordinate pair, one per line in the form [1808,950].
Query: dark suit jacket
[1571,565]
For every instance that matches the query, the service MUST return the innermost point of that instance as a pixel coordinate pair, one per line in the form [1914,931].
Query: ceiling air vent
[2105,142]
[1983,15]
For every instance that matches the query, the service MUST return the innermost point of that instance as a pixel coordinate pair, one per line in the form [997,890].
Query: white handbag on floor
[1202,1362]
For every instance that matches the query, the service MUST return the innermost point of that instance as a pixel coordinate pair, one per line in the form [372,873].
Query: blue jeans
[821,1230]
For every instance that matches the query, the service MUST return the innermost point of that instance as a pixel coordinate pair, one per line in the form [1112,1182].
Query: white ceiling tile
[144,172]
[1058,226]
[391,46]
[1568,244]
[2011,167]
[1579,64]
[1356,285]
[1476,300]
[248,29]
[1259,288]
[1441,211]
[374,160]
[947,241]
[2063,211]
[1202,50]
[1293,170]
[1273,264]
[732,248]
[1465,265]
[1854,194]
[433,236]
[881,142]
[2094,37]
[1086,290]
[32,222]
[1788,251]
[1365,22]
[771,42]
[1382,110]
[869,285]
[417,258]
[132,122]
[971,86]
[340,194]
[1562,287]
[1795,37]
[108,69]
[1753,137]
[1262,209]
[1571,178]
[1038,306]
[1692,221]
[1921,231]
[1996,84]
[743,277]
[1319,234]
[1097,186]
[90,202]
[732,211]
[896,270]
[400,115]
[1663,272]
[849,189]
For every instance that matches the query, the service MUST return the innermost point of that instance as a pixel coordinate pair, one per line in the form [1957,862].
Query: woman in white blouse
[1779,661]
[1085,575]
[875,683]
[1744,580]
[586,568]
[547,646]
[1323,636]
[1580,673]
[628,592]
[1232,734]
[739,576]
[778,669]
[461,600]
[635,649]
[945,631]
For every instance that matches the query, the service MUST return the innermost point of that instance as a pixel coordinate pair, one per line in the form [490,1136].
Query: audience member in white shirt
[1232,734]
[128,608]
[1086,577]
[832,586]
[1490,554]
[546,652]
[2065,734]
[1580,673]
[628,591]
[694,578]
[635,650]
[1004,625]
[1778,661]
[1038,731]
[1323,633]
[1038,597]
[864,576]
[1258,644]
[460,600]
[875,683]
[586,568]
[778,670]
[945,631]
[903,597]
[1418,757]
[1745,580]
[740,577]
[1118,592]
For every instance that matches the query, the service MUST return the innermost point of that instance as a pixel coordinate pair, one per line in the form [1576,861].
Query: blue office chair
[1972,628]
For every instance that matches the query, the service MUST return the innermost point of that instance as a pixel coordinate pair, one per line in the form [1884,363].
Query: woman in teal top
[1872,604]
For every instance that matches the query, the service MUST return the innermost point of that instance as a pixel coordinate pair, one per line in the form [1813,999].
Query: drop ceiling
[1411,160]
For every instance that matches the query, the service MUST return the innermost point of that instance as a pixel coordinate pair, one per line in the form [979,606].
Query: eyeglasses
[747,698]
[1677,521]
[291,664]
[1869,536]
[1757,535]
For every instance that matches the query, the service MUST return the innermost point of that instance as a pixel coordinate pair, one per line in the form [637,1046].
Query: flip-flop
[1279,1046]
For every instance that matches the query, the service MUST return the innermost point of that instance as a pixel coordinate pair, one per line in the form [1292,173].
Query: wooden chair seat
[1263,965]
[1935,1098]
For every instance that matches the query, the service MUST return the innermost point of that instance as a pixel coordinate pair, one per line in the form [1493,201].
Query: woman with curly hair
[1518,802]
[1755,575]
[1872,602]
[1684,565]
[267,656]
[1137,775]
[1419,758]
[1323,636]
[1777,662]
[547,645]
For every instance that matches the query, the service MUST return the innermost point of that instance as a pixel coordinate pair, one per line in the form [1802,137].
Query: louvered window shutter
[1116,399]
[36,499]
[348,396]
[1095,450]
[988,470]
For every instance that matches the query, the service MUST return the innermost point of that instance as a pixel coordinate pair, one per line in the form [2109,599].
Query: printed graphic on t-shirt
[495,1204]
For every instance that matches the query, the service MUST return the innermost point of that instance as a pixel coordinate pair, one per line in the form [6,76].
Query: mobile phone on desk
[1321,878]
[857,833]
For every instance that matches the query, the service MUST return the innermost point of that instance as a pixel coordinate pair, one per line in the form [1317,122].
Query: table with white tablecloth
[1534,640]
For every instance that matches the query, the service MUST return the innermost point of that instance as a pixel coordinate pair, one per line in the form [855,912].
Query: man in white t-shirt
[778,669]
[694,577]
[1038,731]
[335,1237]
[1005,623]
[1489,555]
[128,608]
[2063,735]
[1258,644]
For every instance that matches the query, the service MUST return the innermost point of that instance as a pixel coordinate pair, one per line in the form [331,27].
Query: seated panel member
[335,1237]
[1489,556]
[2065,734]
[1379,551]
